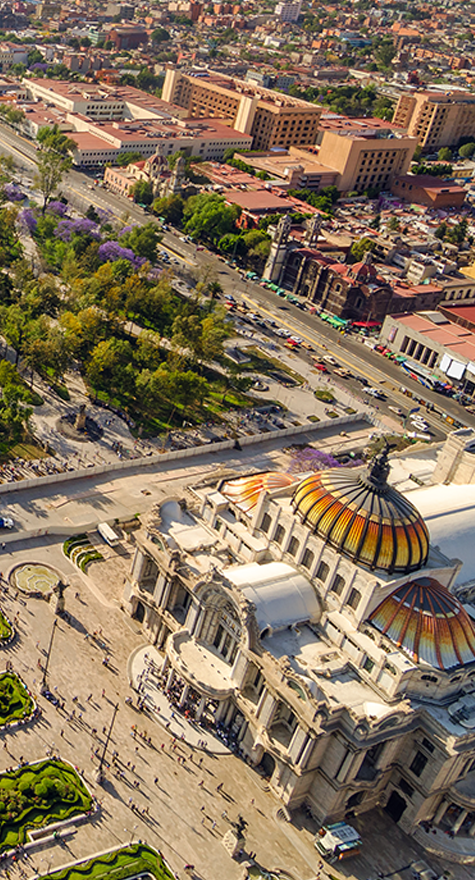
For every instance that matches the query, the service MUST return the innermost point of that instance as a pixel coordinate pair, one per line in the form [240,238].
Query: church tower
[278,251]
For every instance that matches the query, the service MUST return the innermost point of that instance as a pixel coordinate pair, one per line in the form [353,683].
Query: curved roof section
[449,512]
[244,491]
[364,518]
[281,594]
[428,622]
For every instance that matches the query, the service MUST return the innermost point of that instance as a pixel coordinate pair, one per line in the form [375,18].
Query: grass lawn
[265,364]
[138,858]
[36,796]
[15,701]
[28,451]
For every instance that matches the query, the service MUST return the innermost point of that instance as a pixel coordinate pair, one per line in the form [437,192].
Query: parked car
[6,522]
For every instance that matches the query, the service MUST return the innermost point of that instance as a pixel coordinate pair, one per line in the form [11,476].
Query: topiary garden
[134,860]
[37,795]
[6,629]
[16,703]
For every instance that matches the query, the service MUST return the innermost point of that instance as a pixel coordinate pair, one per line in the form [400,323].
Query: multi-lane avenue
[347,351]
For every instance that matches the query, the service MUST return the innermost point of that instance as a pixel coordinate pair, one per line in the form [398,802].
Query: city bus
[107,534]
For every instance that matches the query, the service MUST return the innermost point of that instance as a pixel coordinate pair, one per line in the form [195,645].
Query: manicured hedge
[129,861]
[15,701]
[5,628]
[37,795]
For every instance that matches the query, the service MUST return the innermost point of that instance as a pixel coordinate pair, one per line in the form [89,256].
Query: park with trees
[102,303]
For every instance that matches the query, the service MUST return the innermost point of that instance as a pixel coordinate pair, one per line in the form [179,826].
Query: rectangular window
[418,764]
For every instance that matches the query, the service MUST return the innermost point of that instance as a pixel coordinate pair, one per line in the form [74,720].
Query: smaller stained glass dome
[427,621]
[244,491]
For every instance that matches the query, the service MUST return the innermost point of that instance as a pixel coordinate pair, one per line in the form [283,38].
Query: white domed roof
[449,513]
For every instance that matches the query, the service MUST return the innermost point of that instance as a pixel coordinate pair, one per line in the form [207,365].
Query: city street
[348,351]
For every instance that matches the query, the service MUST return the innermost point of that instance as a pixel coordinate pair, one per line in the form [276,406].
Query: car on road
[200,247]
[420,424]
[308,346]
[229,297]
[375,392]
[362,380]
[6,522]
[329,359]
[297,339]
[281,332]
[344,373]
[322,368]
[397,411]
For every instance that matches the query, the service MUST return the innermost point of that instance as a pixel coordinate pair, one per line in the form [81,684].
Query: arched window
[293,546]
[322,572]
[354,599]
[265,524]
[308,558]
[338,585]
[279,534]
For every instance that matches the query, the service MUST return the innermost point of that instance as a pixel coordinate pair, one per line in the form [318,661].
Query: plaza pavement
[176,823]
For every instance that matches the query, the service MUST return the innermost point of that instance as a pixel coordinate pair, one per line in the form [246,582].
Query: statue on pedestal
[57,598]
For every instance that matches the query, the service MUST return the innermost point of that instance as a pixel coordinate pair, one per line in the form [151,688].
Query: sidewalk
[169,717]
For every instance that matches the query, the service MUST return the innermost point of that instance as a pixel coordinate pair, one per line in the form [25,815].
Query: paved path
[171,719]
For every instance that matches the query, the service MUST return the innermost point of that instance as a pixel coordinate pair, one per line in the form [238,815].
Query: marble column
[229,714]
[201,708]
[184,696]
[164,665]
[459,822]
[221,710]
[441,811]
[170,679]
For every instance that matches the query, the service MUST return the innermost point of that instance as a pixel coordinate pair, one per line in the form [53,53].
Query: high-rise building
[273,119]
[288,11]
[438,120]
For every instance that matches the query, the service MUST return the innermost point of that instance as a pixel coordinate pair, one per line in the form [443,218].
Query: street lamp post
[100,769]
[44,686]
[131,832]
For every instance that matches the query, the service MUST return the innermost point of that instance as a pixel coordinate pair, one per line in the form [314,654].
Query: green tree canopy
[207,216]
[467,150]
[53,160]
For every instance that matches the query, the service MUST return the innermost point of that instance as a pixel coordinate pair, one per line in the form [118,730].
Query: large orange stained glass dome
[364,518]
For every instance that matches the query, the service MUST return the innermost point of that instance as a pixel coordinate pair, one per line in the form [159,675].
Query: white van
[337,841]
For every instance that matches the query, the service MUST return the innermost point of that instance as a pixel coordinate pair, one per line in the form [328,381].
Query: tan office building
[365,161]
[437,120]
[273,119]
